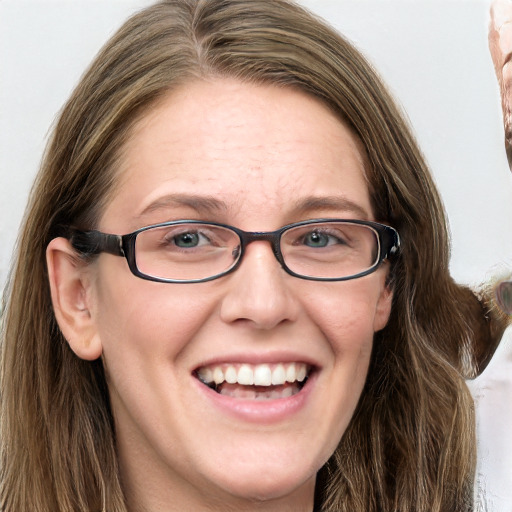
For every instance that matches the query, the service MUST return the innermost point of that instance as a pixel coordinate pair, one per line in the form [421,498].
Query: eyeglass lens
[199,251]
[330,250]
[504,296]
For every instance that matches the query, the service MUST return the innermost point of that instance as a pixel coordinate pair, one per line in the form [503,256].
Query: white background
[432,53]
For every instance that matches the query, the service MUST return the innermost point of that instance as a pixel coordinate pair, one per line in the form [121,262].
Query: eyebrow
[205,204]
[332,203]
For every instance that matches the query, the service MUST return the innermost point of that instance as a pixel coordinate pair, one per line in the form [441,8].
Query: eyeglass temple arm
[95,242]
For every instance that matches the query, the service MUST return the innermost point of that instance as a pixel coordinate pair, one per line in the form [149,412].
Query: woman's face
[256,157]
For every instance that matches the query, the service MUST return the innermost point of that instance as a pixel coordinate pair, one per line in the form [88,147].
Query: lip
[256,411]
[262,412]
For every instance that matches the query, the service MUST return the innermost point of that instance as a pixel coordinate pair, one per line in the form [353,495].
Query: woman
[284,334]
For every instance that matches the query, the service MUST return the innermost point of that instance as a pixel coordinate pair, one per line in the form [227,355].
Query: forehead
[247,147]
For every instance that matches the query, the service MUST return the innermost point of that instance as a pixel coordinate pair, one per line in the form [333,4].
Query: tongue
[258,392]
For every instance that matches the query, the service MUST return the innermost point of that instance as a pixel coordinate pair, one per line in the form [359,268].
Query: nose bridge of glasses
[272,237]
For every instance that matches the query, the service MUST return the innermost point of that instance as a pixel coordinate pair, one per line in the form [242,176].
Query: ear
[70,285]
[383,308]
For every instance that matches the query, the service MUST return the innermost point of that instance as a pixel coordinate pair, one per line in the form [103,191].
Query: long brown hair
[410,445]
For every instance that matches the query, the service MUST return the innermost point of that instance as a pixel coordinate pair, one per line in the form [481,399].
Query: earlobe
[70,286]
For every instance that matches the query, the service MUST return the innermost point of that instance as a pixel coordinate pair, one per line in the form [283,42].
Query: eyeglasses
[504,296]
[188,251]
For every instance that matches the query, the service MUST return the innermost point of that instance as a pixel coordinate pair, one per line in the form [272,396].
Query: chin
[262,484]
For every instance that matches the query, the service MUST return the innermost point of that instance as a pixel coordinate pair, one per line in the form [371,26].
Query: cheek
[344,312]
[347,313]
[146,319]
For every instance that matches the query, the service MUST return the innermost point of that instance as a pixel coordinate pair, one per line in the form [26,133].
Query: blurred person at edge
[231,288]
[500,46]
[492,391]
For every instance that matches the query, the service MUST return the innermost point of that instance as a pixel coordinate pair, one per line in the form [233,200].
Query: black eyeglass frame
[90,243]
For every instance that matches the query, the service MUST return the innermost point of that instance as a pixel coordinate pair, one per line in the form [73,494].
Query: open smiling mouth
[255,382]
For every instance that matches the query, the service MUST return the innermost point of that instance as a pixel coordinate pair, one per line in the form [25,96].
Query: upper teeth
[258,375]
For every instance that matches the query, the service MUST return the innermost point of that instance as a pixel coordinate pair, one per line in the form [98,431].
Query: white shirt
[492,392]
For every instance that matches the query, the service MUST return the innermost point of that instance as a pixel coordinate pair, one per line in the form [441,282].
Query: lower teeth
[259,392]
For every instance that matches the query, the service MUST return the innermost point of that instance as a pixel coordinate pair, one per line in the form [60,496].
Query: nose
[258,291]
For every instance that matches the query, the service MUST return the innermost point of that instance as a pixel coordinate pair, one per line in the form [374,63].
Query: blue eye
[190,240]
[320,239]
[173,238]
[187,240]
[316,239]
